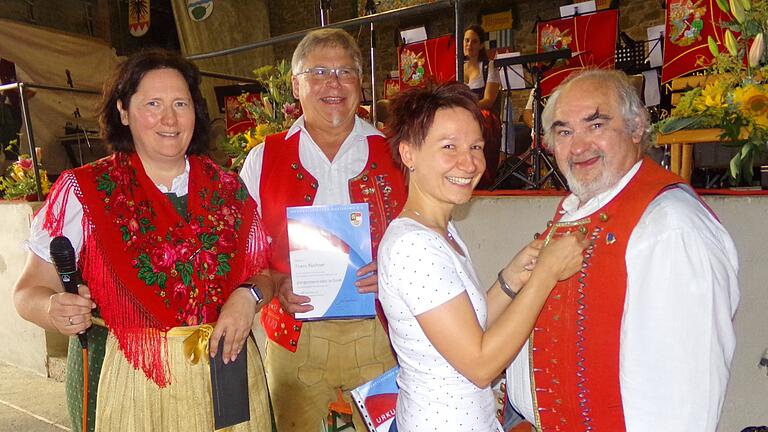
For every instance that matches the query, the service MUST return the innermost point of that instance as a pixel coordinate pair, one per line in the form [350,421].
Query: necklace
[447,233]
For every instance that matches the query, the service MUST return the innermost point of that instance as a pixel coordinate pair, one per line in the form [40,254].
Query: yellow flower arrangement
[737,100]
[19,181]
[273,112]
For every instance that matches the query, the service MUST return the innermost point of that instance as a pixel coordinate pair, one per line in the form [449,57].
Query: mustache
[581,158]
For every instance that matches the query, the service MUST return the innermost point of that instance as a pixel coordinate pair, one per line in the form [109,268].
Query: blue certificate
[328,245]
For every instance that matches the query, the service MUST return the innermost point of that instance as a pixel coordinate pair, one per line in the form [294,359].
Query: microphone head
[63,255]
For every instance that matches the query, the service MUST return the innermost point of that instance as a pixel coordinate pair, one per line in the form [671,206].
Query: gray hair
[632,108]
[326,37]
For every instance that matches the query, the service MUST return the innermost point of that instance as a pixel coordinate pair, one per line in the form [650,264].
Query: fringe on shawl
[140,337]
[56,203]
[257,252]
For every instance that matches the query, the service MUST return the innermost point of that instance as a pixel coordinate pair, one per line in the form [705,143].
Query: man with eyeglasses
[328,156]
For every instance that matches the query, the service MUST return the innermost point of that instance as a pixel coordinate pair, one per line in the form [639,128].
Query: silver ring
[70,321]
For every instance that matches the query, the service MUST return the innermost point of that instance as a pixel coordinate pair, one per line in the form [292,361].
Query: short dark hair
[483,36]
[124,81]
[412,112]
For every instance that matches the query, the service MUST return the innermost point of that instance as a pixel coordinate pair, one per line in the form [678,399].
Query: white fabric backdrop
[41,56]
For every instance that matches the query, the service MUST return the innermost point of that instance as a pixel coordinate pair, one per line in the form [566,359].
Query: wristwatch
[255,292]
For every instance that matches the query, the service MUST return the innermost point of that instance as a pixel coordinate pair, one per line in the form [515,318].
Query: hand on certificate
[368,284]
[290,302]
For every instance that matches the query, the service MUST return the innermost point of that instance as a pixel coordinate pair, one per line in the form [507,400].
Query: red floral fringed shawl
[149,269]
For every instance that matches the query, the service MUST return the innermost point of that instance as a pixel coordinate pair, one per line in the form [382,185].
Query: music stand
[534,157]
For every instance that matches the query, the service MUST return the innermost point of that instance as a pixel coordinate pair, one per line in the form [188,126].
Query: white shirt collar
[180,184]
[571,208]
[361,128]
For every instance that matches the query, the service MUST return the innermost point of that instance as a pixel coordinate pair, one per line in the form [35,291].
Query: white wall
[494,228]
[23,343]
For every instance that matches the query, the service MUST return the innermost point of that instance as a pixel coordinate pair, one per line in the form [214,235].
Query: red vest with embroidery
[574,348]
[286,183]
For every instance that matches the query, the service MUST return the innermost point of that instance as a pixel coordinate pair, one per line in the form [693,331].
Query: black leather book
[229,388]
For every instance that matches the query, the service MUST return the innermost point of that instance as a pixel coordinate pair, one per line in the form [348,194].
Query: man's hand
[290,302]
[368,284]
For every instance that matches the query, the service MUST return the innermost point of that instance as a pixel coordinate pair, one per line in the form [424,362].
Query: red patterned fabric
[148,268]
[575,343]
[286,183]
[590,37]
[688,24]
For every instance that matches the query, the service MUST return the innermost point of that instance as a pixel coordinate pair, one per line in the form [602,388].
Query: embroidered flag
[199,9]
[138,17]
[590,37]
[430,59]
[688,24]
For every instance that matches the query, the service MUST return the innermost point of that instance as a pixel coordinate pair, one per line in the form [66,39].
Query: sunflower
[712,97]
[752,102]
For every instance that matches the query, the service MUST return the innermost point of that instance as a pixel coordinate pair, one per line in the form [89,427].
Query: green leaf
[223,268]
[185,271]
[735,165]
[208,240]
[674,124]
[144,260]
[162,278]
[712,46]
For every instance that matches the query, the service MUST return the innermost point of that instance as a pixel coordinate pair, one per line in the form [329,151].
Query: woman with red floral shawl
[171,249]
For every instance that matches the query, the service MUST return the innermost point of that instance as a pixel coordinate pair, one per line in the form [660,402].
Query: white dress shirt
[677,338]
[332,176]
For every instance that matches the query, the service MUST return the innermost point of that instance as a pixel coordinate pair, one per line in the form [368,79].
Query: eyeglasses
[345,75]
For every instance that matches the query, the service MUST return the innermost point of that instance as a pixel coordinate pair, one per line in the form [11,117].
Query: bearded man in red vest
[329,156]
[642,338]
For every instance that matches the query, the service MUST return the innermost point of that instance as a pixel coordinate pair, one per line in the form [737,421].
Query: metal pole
[325,7]
[373,76]
[230,77]
[422,9]
[28,130]
[18,85]
[459,26]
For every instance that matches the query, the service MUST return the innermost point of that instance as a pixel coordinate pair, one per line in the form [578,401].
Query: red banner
[590,37]
[688,24]
[432,59]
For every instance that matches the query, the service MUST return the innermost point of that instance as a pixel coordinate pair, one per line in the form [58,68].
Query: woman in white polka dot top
[452,338]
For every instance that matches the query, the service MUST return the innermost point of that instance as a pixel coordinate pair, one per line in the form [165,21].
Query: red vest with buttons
[286,183]
[574,348]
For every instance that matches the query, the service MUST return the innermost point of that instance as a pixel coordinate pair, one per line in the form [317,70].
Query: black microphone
[63,256]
